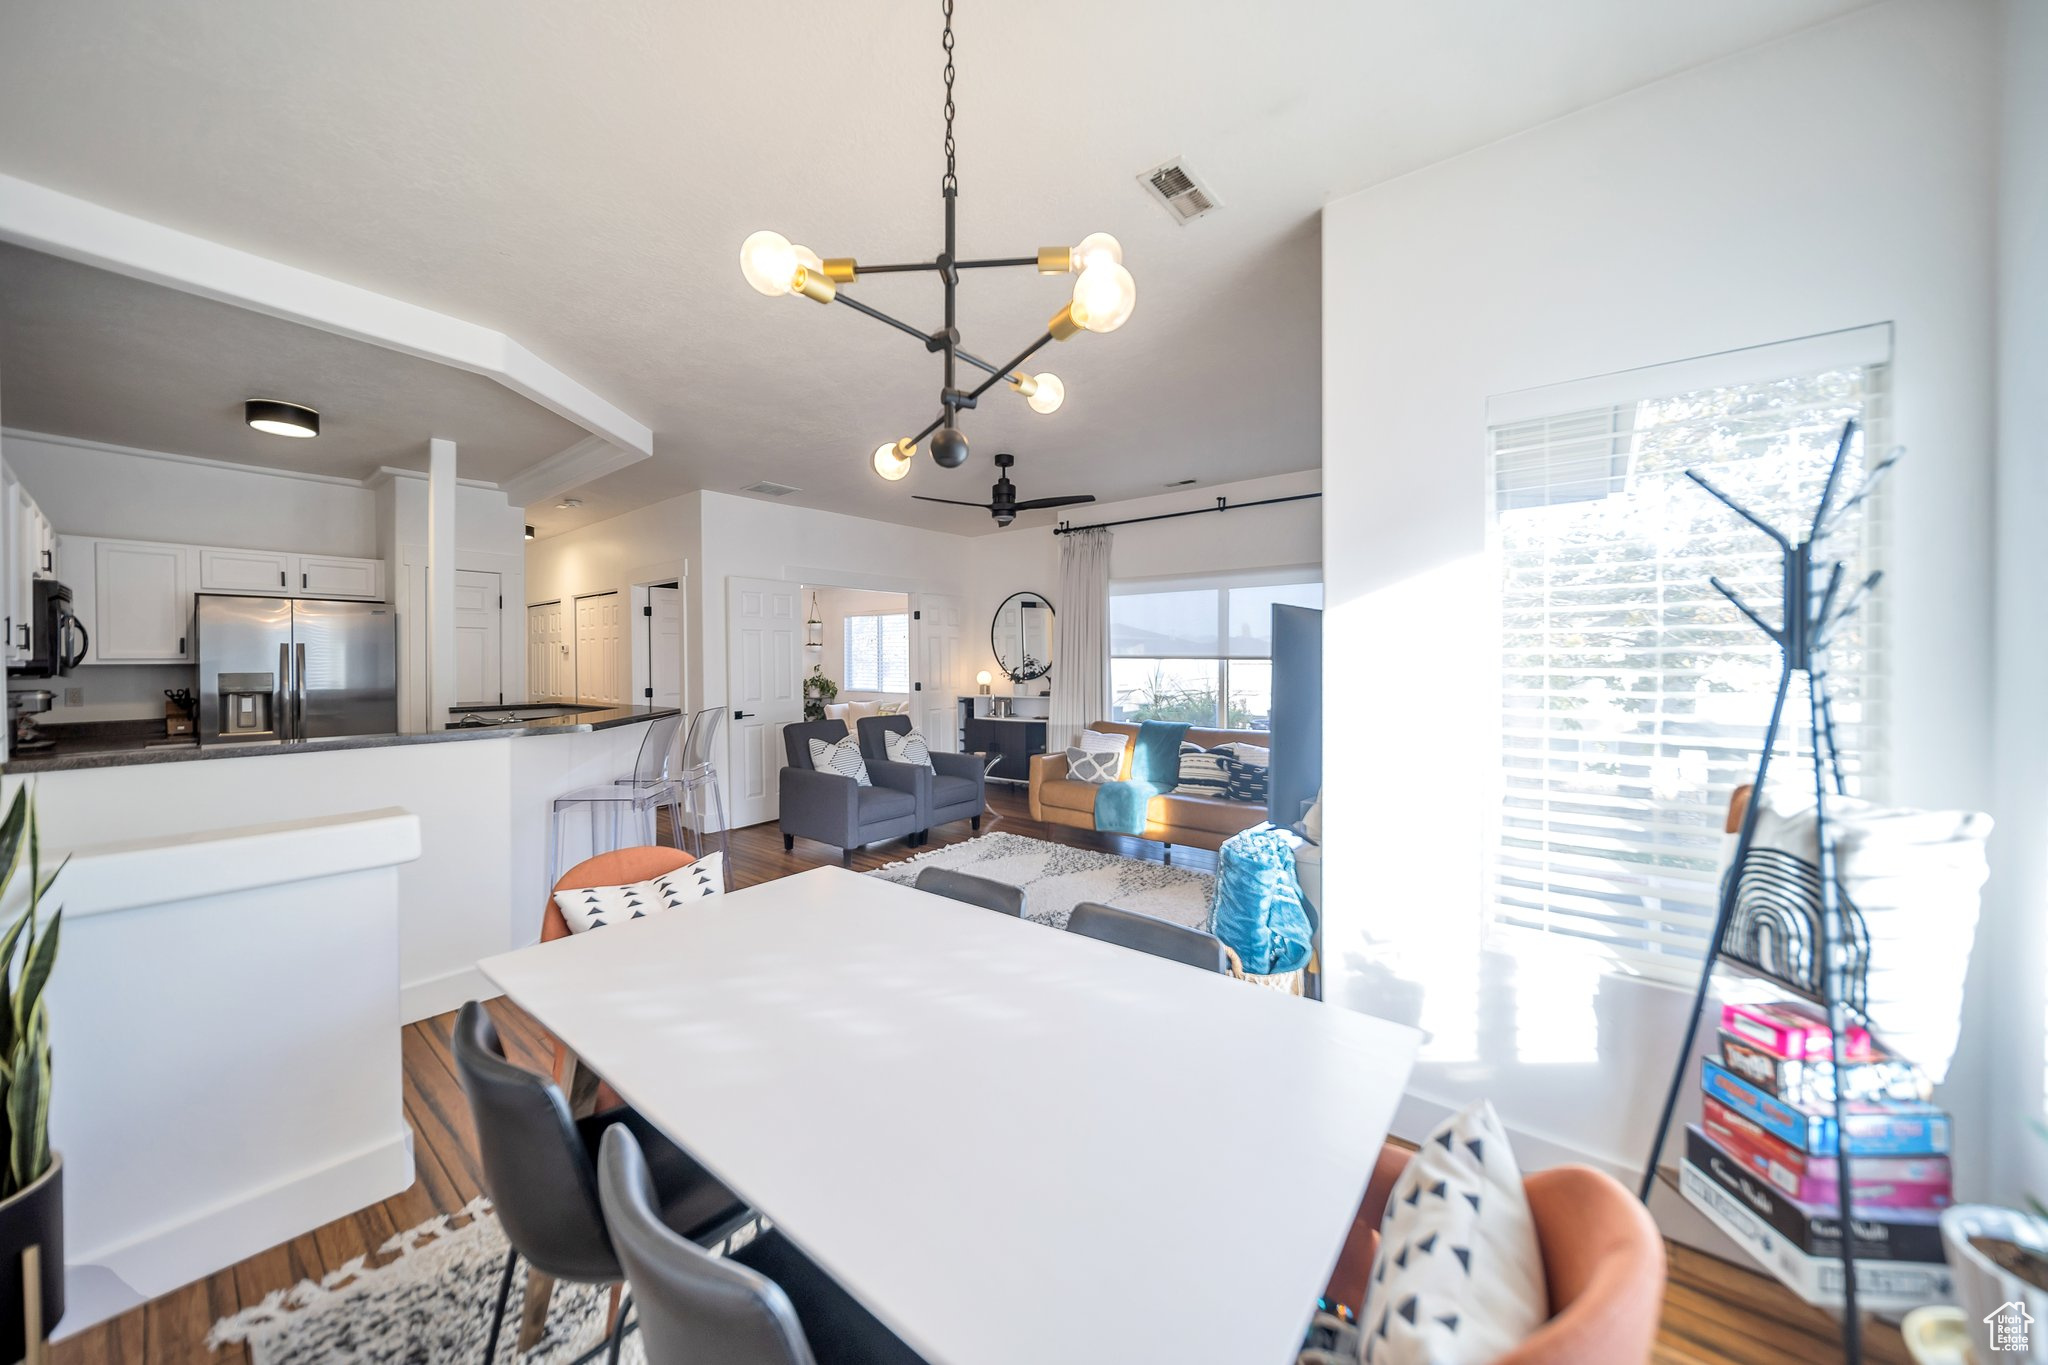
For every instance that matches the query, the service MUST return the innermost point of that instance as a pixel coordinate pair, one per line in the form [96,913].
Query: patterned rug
[424,1298]
[1056,878]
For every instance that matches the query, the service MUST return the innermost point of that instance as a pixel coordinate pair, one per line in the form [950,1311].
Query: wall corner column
[440,604]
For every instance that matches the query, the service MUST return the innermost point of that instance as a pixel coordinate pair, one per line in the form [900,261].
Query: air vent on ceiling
[768,488]
[1177,187]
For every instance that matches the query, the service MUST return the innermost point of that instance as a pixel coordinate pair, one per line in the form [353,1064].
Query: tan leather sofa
[1203,821]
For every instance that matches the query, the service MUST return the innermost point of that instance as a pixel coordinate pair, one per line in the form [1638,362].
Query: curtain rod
[1222,505]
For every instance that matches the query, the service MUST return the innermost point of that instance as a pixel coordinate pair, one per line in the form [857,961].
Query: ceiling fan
[1003,504]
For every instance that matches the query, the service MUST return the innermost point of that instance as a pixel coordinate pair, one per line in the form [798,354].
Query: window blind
[878,652]
[1633,697]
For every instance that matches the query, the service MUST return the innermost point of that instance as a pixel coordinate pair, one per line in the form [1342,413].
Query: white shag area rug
[1055,878]
[424,1298]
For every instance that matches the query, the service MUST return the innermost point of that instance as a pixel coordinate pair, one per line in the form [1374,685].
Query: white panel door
[600,653]
[547,653]
[144,603]
[255,571]
[665,647]
[764,691]
[479,662]
[938,650]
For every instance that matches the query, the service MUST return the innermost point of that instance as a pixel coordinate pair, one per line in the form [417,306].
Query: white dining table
[1015,1146]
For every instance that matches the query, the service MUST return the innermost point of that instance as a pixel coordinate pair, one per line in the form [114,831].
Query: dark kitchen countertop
[119,744]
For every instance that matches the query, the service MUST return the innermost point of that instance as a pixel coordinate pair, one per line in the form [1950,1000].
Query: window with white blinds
[1633,696]
[878,652]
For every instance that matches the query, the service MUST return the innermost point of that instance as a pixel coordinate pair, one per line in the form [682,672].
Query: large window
[1633,696]
[878,653]
[1200,650]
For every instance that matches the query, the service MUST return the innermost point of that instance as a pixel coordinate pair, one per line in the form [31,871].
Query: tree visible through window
[878,653]
[1633,696]
[1200,653]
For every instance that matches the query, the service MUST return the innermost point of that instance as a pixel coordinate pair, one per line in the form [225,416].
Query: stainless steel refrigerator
[281,670]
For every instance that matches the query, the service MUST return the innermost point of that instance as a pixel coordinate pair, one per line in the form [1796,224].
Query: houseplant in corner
[818,689]
[31,1178]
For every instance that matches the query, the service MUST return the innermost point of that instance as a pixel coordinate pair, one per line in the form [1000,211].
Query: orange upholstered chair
[620,867]
[1602,1255]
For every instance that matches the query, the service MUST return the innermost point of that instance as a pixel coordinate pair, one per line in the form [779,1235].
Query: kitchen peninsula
[334,889]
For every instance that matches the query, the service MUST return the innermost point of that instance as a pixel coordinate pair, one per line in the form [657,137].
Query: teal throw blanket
[1258,909]
[1155,768]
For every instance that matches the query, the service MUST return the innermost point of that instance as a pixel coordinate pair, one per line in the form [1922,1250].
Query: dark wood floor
[1713,1311]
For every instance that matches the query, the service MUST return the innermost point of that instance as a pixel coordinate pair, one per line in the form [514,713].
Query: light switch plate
[74,696]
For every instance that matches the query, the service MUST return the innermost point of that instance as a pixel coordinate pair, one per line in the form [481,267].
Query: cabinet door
[257,571]
[22,562]
[333,576]
[45,544]
[143,597]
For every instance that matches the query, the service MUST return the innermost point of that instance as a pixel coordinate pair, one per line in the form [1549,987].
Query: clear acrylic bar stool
[698,780]
[636,799]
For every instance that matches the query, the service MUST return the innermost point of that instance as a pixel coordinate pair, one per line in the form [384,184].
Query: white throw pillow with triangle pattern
[1459,1275]
[593,907]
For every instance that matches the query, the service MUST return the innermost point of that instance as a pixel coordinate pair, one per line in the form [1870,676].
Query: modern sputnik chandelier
[1104,295]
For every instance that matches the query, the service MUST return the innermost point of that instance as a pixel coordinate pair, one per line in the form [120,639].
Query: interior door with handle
[938,660]
[764,691]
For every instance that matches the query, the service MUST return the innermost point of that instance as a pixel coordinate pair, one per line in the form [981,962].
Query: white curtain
[1080,661]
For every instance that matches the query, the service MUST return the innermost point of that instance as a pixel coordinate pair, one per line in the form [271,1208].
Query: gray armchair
[953,788]
[835,809]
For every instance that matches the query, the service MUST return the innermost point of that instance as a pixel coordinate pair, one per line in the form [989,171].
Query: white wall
[90,489]
[2011,985]
[1842,176]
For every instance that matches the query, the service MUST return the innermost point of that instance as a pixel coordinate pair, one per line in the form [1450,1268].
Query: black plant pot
[32,1218]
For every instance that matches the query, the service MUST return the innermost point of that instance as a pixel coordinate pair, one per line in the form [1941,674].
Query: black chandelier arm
[997,376]
[945,414]
[910,267]
[878,315]
[996,261]
[1012,375]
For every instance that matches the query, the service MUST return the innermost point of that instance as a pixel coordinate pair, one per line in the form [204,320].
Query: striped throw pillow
[842,758]
[1246,781]
[1201,771]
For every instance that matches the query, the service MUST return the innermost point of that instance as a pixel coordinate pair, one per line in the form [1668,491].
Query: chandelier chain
[949,181]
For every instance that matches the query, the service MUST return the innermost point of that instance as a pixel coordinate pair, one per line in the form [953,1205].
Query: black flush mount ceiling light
[281,419]
[1104,295]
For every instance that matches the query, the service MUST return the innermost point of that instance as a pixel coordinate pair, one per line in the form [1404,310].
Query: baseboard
[102,1282]
[419,1000]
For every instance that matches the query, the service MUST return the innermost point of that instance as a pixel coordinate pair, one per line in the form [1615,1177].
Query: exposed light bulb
[1049,394]
[1095,247]
[1104,295]
[892,459]
[770,263]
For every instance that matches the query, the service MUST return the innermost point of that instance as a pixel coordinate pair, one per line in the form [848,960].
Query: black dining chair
[764,1304]
[1149,934]
[960,886]
[540,1170]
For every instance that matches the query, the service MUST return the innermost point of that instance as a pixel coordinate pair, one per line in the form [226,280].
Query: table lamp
[982,679]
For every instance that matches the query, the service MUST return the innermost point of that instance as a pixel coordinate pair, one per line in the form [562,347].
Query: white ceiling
[581,177]
[95,355]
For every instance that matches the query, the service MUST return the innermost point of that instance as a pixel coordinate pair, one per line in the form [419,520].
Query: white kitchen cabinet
[43,547]
[270,572]
[336,576]
[142,599]
[17,578]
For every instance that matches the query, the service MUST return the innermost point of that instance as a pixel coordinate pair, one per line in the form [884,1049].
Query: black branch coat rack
[1772,936]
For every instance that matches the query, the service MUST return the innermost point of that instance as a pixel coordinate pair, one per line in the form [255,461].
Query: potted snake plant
[31,1176]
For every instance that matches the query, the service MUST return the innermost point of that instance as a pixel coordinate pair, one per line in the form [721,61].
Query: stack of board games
[1761,1162]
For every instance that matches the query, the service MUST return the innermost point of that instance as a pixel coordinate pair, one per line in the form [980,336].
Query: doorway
[547,653]
[600,653]
[665,645]
[479,622]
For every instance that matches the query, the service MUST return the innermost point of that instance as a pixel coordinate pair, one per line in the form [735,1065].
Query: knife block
[177,720]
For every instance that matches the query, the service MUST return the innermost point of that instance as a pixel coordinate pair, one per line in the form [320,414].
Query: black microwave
[54,638]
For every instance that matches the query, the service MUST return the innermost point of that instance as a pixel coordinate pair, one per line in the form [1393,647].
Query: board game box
[1873,1129]
[1881,1234]
[1813,1082]
[1914,1182]
[1797,1031]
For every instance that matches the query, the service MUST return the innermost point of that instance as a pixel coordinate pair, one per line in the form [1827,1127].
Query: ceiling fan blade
[1038,504]
[952,502]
